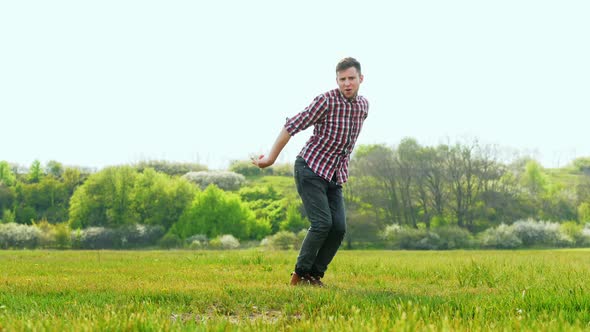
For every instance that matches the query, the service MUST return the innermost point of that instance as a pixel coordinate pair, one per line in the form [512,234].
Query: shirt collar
[353,100]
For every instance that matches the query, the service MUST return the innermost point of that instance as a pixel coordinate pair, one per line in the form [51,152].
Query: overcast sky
[96,83]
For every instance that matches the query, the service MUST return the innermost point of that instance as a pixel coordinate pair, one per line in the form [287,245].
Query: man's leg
[313,192]
[336,234]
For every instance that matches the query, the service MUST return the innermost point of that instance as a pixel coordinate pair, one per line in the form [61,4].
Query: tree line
[462,184]
[410,185]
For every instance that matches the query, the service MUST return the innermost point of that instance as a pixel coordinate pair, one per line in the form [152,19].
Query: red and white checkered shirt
[337,124]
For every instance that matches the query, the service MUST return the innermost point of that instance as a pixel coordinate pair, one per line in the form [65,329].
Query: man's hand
[262,161]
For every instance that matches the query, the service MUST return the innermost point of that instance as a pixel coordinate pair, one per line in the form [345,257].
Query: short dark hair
[347,63]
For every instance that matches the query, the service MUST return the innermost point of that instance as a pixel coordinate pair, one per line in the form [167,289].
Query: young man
[322,167]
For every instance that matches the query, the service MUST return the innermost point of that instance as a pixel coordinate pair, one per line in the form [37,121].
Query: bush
[404,237]
[453,237]
[539,233]
[282,169]
[245,168]
[573,231]
[97,238]
[223,179]
[15,236]
[137,235]
[76,238]
[130,236]
[54,235]
[196,245]
[429,241]
[226,241]
[282,240]
[585,237]
[170,241]
[62,236]
[501,237]
[198,241]
[300,237]
[170,168]
[46,238]
[265,242]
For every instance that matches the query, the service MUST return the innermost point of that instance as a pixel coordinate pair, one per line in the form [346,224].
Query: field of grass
[541,290]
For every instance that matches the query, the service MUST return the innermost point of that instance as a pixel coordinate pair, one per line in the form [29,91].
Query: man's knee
[339,231]
[320,228]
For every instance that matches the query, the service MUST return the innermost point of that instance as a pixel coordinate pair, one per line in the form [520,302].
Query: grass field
[543,290]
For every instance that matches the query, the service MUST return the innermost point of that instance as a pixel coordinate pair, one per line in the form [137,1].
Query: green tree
[54,168]
[6,175]
[470,171]
[559,202]
[375,181]
[49,199]
[35,172]
[214,212]
[7,197]
[266,203]
[584,212]
[160,199]
[294,221]
[105,199]
[407,163]
[460,170]
[72,178]
[582,164]
[433,178]
[534,179]
[24,213]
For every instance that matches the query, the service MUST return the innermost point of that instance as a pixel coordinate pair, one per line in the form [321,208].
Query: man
[321,168]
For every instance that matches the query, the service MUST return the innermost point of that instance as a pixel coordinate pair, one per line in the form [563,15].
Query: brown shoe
[316,281]
[297,280]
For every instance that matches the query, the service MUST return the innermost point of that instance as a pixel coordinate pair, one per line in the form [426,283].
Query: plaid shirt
[337,124]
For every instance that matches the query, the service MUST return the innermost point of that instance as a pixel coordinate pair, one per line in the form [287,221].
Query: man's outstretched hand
[262,161]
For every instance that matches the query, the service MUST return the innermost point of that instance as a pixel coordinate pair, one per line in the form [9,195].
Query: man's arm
[265,161]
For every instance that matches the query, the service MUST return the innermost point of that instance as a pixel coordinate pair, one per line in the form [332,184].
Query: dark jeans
[324,206]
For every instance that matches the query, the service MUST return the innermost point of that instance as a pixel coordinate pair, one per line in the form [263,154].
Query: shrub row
[200,241]
[521,234]
[446,237]
[60,236]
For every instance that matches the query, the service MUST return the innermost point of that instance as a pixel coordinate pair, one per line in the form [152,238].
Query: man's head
[349,77]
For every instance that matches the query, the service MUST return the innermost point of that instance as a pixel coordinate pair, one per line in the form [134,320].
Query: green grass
[541,290]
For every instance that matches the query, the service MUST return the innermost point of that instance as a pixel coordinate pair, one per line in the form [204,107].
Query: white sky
[96,83]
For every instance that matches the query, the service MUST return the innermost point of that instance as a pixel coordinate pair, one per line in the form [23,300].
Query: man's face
[349,82]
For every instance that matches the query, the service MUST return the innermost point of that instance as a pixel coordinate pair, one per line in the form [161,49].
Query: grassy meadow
[535,290]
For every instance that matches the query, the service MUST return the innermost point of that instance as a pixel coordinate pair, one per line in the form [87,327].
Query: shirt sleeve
[311,115]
